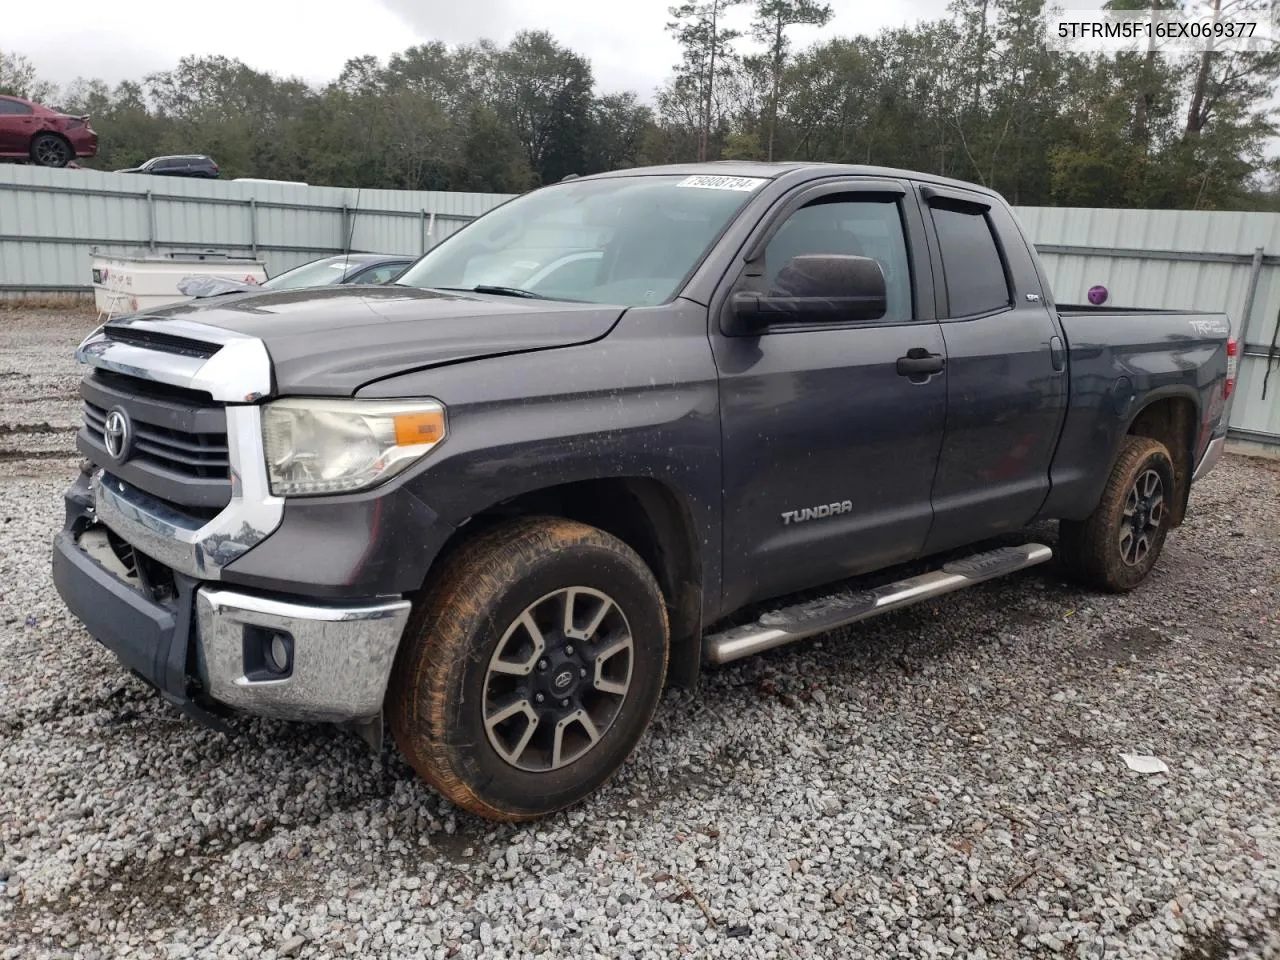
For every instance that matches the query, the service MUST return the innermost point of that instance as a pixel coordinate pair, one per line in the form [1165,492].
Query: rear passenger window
[971,262]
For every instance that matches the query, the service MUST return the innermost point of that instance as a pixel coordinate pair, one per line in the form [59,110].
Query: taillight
[1233,362]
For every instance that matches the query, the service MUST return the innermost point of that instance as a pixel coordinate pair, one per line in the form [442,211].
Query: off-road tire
[439,682]
[1091,551]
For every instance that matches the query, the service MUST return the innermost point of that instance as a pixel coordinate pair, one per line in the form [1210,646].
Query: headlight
[316,446]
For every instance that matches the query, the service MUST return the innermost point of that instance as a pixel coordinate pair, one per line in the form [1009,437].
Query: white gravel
[943,782]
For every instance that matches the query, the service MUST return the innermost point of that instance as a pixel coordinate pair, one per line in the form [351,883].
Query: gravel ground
[946,781]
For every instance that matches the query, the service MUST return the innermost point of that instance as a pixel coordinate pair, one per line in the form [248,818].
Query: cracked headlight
[318,446]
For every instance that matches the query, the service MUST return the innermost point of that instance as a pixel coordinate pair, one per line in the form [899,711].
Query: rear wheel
[1115,548]
[531,669]
[49,150]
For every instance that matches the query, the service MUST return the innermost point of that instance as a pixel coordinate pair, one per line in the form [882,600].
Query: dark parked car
[350,268]
[785,398]
[187,165]
[46,137]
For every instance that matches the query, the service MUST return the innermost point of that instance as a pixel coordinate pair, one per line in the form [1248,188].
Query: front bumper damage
[205,646]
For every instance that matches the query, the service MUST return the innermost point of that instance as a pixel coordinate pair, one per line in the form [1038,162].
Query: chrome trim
[199,548]
[1212,454]
[342,656]
[240,372]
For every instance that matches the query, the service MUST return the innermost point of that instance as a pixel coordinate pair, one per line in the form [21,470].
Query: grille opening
[122,550]
[156,579]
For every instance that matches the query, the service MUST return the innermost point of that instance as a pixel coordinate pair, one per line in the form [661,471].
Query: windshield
[314,274]
[624,240]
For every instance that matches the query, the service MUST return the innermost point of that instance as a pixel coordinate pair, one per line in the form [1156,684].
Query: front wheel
[1116,546]
[530,669]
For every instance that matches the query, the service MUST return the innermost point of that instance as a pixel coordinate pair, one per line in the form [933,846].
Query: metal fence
[51,220]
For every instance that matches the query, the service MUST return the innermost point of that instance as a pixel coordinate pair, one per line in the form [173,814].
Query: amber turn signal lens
[413,429]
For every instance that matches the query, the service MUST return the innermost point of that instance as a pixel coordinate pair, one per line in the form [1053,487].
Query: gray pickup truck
[613,430]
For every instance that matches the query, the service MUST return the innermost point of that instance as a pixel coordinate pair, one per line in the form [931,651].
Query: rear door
[828,451]
[1006,371]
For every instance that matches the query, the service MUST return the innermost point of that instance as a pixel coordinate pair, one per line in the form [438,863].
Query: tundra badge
[817,513]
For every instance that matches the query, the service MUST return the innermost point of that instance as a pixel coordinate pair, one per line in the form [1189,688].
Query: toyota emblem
[563,680]
[117,435]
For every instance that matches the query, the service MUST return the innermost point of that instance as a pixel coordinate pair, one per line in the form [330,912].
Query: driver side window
[847,225]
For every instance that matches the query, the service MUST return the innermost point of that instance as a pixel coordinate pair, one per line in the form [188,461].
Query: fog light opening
[268,654]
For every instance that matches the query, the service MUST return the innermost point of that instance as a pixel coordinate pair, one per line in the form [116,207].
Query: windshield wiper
[499,291]
[508,291]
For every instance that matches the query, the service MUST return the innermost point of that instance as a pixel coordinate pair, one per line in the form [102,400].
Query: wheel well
[650,518]
[52,133]
[1172,421]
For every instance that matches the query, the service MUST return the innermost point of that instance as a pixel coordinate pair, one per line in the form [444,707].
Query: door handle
[919,364]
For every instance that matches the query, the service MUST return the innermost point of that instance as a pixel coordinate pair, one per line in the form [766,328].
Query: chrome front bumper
[340,656]
[1212,454]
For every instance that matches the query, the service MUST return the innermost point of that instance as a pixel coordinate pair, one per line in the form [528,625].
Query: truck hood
[332,341]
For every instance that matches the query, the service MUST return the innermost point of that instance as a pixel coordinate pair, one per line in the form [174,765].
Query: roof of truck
[799,171]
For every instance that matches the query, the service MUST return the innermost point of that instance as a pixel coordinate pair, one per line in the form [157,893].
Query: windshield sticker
[709,182]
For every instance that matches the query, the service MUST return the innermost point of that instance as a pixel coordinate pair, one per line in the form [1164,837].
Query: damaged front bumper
[203,645]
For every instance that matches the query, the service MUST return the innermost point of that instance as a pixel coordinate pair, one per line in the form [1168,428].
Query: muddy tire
[530,668]
[1115,548]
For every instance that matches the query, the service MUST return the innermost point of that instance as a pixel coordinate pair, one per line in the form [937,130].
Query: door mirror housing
[815,288]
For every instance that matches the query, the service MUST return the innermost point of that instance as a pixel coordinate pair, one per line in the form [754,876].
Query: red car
[46,137]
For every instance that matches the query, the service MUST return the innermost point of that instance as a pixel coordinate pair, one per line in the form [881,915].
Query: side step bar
[779,627]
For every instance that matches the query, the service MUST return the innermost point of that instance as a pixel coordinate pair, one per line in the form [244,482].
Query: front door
[829,451]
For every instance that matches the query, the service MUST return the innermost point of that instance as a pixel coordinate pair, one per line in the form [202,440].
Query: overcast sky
[114,40]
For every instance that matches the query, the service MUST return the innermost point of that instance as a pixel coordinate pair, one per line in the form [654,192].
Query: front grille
[195,454]
[179,452]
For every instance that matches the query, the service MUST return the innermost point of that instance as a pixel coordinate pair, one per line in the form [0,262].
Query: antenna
[351,232]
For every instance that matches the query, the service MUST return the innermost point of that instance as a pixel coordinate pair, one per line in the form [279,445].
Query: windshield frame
[674,175]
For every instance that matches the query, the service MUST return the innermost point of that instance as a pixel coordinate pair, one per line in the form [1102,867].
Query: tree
[976,94]
[543,91]
[616,132]
[1224,79]
[18,79]
[772,18]
[707,46]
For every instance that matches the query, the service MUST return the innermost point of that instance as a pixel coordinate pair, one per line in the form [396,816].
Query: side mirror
[816,288]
